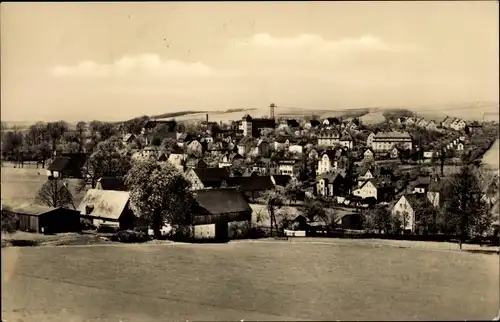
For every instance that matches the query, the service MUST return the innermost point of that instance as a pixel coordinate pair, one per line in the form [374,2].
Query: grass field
[20,185]
[246,280]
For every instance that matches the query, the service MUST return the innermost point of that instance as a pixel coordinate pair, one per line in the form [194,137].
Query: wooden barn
[67,165]
[217,208]
[38,219]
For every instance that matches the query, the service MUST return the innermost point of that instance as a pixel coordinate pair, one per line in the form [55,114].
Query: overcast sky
[114,61]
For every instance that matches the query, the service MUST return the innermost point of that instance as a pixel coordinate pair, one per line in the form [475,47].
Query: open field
[246,280]
[20,185]
[372,118]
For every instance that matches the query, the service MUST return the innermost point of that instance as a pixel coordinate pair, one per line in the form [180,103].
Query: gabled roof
[108,204]
[184,137]
[128,136]
[331,176]
[247,117]
[70,163]
[251,183]
[281,179]
[222,201]
[59,164]
[112,183]
[414,199]
[314,123]
[292,123]
[332,155]
[328,134]
[392,135]
[346,137]
[211,177]
[32,210]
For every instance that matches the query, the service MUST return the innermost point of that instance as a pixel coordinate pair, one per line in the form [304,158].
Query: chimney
[207,117]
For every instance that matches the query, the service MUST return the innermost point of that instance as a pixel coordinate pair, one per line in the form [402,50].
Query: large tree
[108,159]
[55,131]
[55,193]
[160,193]
[467,211]
[274,200]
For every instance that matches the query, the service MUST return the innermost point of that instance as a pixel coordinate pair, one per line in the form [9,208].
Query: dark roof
[346,137]
[332,155]
[222,201]
[112,183]
[69,163]
[251,183]
[281,179]
[212,177]
[247,117]
[31,210]
[415,198]
[184,137]
[292,123]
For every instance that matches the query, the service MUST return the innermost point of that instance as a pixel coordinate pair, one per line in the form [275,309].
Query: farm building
[111,183]
[108,208]
[252,187]
[217,209]
[34,218]
[67,165]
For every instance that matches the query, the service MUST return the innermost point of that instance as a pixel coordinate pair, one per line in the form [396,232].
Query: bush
[107,229]
[130,236]
[9,220]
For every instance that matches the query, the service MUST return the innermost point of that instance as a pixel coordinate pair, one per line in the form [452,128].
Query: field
[20,186]
[247,280]
[372,118]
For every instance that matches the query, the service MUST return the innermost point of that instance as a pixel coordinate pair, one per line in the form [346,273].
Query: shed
[67,165]
[35,218]
[111,183]
[216,209]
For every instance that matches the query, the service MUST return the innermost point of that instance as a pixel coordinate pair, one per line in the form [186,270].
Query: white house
[366,190]
[460,146]
[404,209]
[386,141]
[290,167]
[367,175]
[296,148]
[177,159]
[368,154]
[328,138]
[327,162]
[369,139]
[422,123]
[195,148]
[431,126]
[458,125]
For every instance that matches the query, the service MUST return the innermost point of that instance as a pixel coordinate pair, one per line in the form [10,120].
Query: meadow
[349,280]
[20,185]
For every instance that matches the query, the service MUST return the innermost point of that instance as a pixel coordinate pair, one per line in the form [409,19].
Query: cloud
[148,65]
[316,44]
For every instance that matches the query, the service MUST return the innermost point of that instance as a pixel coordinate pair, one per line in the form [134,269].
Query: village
[257,177]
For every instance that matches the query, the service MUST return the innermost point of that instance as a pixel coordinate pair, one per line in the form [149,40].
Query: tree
[160,193]
[105,130]
[426,217]
[378,219]
[274,199]
[55,131]
[12,142]
[135,125]
[294,190]
[81,133]
[8,220]
[55,193]
[168,145]
[467,212]
[108,159]
[43,152]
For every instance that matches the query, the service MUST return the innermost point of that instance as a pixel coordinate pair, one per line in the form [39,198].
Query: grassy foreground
[246,280]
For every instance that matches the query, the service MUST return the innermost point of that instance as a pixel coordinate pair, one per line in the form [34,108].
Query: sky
[113,61]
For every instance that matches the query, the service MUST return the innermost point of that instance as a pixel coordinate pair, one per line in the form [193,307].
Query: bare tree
[55,193]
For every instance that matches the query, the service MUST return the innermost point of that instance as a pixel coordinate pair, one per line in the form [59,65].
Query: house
[405,209]
[327,162]
[458,125]
[41,219]
[431,126]
[460,146]
[386,141]
[261,148]
[150,152]
[128,138]
[328,138]
[202,178]
[252,187]
[474,127]
[108,208]
[378,189]
[331,184]
[410,121]
[421,188]
[228,159]
[430,154]
[369,139]
[346,140]
[67,165]
[252,126]
[368,154]
[289,166]
[266,166]
[297,147]
[365,175]
[195,163]
[207,138]
[446,123]
[111,183]
[217,210]
[394,153]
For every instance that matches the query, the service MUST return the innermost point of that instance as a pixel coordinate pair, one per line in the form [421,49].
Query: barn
[217,209]
[38,219]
